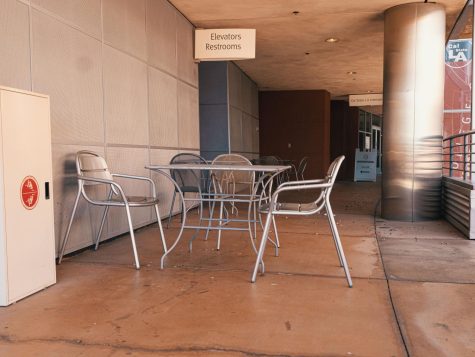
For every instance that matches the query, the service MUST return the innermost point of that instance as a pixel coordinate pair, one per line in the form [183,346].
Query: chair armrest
[283,188]
[142,178]
[107,182]
[95,179]
[304,182]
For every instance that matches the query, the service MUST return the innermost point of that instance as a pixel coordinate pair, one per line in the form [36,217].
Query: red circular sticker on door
[29,192]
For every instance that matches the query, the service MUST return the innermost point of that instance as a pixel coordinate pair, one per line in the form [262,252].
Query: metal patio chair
[300,169]
[275,207]
[189,181]
[231,183]
[92,171]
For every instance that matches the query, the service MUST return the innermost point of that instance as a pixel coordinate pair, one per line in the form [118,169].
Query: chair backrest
[269,160]
[301,168]
[91,164]
[333,172]
[189,179]
[237,180]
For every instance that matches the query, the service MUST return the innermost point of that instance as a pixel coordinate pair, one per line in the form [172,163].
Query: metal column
[414,45]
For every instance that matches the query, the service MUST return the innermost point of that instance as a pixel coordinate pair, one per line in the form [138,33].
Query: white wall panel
[85,14]
[188,117]
[129,161]
[161,35]
[67,66]
[125,98]
[163,109]
[124,26]
[14,45]
[187,68]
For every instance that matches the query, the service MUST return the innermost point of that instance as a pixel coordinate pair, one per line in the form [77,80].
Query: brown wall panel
[344,136]
[299,118]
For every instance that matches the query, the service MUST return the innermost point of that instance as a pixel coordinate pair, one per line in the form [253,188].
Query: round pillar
[414,47]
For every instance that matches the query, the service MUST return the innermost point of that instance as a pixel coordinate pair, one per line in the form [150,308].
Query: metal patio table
[268,172]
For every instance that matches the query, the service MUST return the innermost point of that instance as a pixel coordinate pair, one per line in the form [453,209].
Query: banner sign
[362,100]
[225,44]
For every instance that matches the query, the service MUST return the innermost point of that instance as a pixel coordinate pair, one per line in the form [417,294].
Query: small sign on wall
[29,192]
[225,44]
[365,165]
[362,100]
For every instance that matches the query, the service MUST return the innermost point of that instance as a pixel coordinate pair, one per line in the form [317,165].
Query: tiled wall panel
[224,81]
[247,132]
[163,109]
[161,33]
[84,14]
[125,98]
[243,98]
[236,127]
[187,69]
[188,121]
[15,45]
[67,66]
[246,93]
[124,26]
[234,85]
[115,84]
[255,135]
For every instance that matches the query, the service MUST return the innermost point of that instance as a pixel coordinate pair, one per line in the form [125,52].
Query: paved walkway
[413,294]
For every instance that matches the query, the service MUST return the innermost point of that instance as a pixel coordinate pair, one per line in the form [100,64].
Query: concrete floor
[414,286]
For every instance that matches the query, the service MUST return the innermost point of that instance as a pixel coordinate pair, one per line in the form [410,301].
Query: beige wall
[243,113]
[122,82]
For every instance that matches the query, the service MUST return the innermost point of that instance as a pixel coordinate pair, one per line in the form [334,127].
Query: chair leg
[334,241]
[262,246]
[336,238]
[210,222]
[171,209]
[68,230]
[255,220]
[182,211]
[252,235]
[201,210]
[132,238]
[103,220]
[275,232]
[98,237]
[220,223]
[162,235]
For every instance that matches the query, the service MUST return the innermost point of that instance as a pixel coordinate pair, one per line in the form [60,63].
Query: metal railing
[458,154]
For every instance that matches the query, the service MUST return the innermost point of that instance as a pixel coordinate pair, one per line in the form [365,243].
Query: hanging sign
[363,100]
[225,44]
[29,192]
